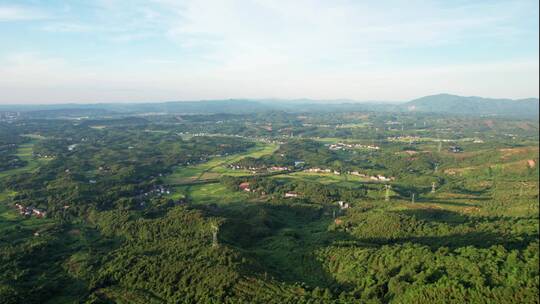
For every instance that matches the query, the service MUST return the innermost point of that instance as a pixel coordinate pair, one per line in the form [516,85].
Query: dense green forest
[273,207]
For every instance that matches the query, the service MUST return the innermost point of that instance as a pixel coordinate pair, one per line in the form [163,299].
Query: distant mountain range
[453,104]
[441,103]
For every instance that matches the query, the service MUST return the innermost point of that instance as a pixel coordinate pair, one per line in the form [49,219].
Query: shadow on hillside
[450,203]
[436,215]
[454,241]
[283,239]
[406,190]
[480,239]
[430,214]
[480,192]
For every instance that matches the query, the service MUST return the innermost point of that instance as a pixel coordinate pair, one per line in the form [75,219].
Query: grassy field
[217,167]
[210,194]
[328,178]
[5,195]
[24,152]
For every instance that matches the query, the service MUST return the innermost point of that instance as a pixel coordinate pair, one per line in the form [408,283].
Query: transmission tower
[215,230]
[387,194]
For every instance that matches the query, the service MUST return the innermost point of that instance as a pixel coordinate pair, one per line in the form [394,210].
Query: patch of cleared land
[217,166]
[24,152]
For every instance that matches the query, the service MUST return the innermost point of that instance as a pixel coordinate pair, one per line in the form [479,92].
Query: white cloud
[308,31]
[269,48]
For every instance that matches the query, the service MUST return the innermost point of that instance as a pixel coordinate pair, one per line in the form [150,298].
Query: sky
[78,51]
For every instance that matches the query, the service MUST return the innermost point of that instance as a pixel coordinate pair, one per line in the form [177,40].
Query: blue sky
[119,51]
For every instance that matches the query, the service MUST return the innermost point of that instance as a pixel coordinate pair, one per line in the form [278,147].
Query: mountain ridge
[439,103]
[473,105]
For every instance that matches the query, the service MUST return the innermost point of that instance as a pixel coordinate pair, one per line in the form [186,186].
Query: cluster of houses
[250,168]
[104,168]
[245,187]
[9,116]
[158,190]
[277,168]
[265,139]
[345,146]
[291,194]
[255,169]
[42,155]
[377,177]
[410,139]
[29,211]
[343,205]
[316,125]
[269,140]
[455,149]
[318,170]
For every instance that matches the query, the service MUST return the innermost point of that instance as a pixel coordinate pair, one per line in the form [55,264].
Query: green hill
[472,105]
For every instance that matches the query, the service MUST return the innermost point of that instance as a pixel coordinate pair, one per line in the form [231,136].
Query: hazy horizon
[166,50]
[262,100]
